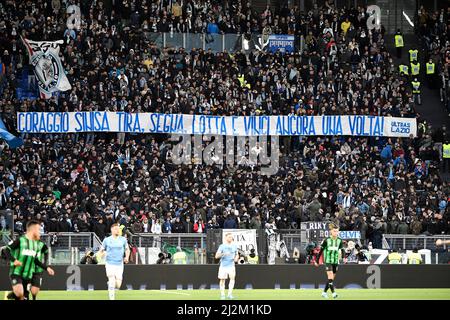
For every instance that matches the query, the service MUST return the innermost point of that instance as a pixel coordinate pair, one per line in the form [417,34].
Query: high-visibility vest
[446,151]
[415,258]
[403,69]
[430,68]
[394,258]
[415,69]
[416,86]
[413,55]
[100,258]
[121,227]
[179,258]
[398,40]
[242,81]
[253,260]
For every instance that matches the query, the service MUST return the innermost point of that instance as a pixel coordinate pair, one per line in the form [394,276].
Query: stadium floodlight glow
[408,19]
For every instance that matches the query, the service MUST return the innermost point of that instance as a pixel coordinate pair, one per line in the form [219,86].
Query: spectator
[167,226]
[199,226]
[230,222]
[99,229]
[255,222]
[188,225]
[212,28]
[177,226]
[86,177]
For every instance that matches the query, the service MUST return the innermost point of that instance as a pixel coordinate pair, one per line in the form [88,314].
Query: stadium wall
[151,277]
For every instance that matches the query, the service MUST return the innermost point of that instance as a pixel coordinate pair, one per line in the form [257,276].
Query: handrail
[170,235]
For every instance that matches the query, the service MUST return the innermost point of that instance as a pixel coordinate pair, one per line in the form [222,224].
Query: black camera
[89,258]
[164,258]
[54,240]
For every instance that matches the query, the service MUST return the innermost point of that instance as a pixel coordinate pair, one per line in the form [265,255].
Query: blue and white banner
[317,231]
[283,43]
[103,121]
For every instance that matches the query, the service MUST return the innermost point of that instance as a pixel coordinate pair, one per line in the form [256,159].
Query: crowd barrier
[185,277]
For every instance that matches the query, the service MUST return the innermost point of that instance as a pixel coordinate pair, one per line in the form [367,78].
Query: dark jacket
[230,223]
[177,227]
[100,230]
[188,227]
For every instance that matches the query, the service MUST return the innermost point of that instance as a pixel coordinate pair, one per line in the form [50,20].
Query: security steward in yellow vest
[415,257]
[179,257]
[121,227]
[446,156]
[101,258]
[403,69]
[415,68]
[416,91]
[398,38]
[431,67]
[394,257]
[413,55]
[252,257]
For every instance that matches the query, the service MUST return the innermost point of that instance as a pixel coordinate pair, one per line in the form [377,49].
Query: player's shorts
[113,270]
[331,267]
[15,280]
[36,281]
[225,272]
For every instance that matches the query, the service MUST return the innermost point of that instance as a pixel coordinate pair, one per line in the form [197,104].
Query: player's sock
[231,287]
[112,293]
[34,296]
[330,283]
[111,288]
[222,288]
[326,287]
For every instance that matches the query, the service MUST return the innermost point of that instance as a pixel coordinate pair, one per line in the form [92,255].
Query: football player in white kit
[228,255]
[117,253]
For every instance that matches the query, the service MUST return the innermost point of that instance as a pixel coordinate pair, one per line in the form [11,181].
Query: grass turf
[260,294]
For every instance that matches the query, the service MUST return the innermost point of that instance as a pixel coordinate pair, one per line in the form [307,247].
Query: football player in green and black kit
[24,255]
[36,280]
[331,247]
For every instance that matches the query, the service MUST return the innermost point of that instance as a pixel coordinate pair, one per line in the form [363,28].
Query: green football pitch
[256,294]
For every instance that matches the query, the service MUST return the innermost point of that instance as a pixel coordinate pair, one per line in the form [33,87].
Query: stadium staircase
[260,5]
[392,17]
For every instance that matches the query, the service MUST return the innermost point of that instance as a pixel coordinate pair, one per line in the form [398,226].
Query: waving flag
[12,140]
[49,72]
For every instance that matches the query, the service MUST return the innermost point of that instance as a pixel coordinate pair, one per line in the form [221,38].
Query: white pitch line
[172,292]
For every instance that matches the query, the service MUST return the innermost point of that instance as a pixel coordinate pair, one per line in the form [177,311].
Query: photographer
[312,250]
[352,253]
[242,258]
[363,255]
[89,258]
[252,257]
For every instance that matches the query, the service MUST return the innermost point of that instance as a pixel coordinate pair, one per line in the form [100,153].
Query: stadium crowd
[85,182]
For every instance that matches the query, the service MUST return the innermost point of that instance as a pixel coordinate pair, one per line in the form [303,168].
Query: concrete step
[260,5]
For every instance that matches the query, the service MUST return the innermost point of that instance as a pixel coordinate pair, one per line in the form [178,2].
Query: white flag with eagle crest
[49,72]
